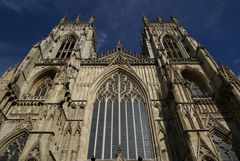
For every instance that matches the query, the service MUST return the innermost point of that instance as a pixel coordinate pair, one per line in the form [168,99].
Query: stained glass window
[224,147]
[66,48]
[119,118]
[14,149]
[171,47]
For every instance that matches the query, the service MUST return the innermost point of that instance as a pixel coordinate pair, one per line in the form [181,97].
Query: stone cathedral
[171,102]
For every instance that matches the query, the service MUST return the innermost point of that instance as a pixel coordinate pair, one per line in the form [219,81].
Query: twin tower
[172,102]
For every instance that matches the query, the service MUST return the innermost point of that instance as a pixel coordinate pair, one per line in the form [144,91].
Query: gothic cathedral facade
[172,102]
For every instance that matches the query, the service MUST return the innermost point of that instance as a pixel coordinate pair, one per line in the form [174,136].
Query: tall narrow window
[66,48]
[171,47]
[43,87]
[14,149]
[119,119]
[224,147]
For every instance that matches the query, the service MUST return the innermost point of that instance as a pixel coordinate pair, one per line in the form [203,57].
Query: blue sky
[214,23]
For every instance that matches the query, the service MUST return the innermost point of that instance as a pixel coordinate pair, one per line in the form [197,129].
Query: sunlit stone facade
[171,102]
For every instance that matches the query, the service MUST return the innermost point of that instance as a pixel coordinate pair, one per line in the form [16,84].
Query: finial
[174,19]
[63,20]
[145,20]
[77,19]
[159,19]
[118,46]
[91,20]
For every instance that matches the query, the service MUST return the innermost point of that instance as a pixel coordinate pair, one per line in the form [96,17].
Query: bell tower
[191,90]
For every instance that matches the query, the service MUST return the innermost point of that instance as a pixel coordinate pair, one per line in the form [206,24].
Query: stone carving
[26,123]
[34,154]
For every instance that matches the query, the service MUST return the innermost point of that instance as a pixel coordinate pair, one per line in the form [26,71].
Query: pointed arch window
[195,83]
[119,119]
[194,88]
[66,48]
[43,87]
[14,149]
[171,47]
[224,147]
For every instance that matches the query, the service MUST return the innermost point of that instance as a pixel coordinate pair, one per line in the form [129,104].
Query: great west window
[119,119]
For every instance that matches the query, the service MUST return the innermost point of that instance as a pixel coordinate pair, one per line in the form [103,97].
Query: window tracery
[14,149]
[194,88]
[66,47]
[195,83]
[43,87]
[119,118]
[171,47]
[224,147]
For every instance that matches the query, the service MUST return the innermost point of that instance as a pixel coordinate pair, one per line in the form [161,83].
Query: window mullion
[111,132]
[126,116]
[96,133]
[63,49]
[140,115]
[104,128]
[119,111]
[134,129]
[68,49]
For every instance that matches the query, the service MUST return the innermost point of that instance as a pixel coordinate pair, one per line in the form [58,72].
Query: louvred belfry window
[171,47]
[66,48]
[119,119]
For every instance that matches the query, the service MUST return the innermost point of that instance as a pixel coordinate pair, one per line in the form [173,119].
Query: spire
[63,20]
[91,20]
[145,20]
[77,19]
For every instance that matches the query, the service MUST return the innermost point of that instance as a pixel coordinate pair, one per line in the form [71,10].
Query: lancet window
[43,87]
[66,48]
[224,147]
[171,47]
[14,149]
[119,119]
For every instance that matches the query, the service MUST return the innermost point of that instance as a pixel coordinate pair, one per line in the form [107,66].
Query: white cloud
[29,5]
[101,40]
[237,61]
[6,46]
[214,15]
